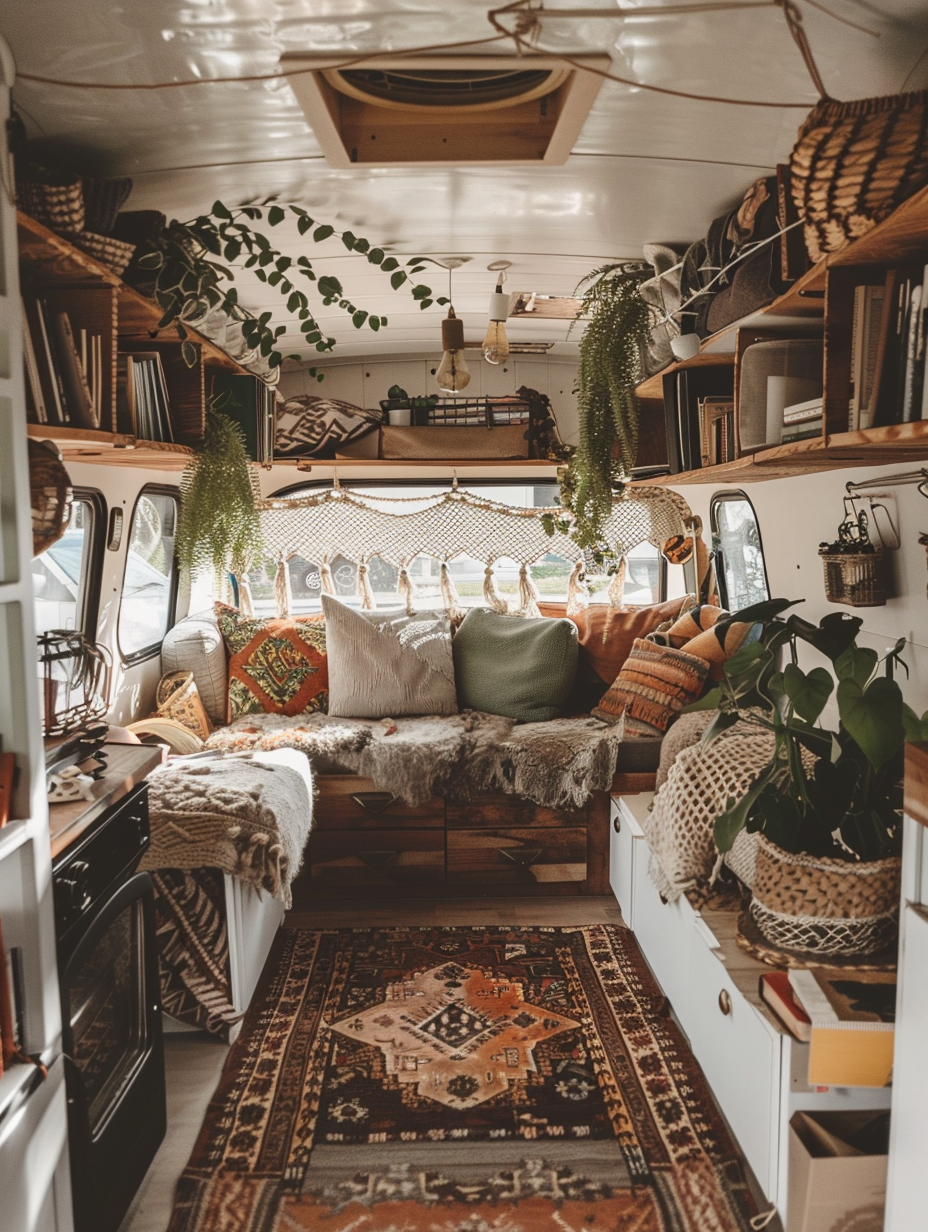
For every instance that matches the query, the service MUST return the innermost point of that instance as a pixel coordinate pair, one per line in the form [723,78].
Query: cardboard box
[837,1171]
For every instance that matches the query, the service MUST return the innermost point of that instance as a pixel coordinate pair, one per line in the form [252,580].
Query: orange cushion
[652,688]
[607,634]
[276,666]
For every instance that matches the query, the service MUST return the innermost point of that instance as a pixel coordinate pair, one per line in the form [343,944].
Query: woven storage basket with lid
[816,904]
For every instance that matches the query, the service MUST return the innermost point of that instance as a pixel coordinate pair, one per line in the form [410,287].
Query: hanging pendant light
[453,374]
[496,344]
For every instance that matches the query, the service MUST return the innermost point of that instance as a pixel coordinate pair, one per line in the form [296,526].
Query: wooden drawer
[661,929]
[342,859]
[497,809]
[542,857]
[740,1054]
[349,801]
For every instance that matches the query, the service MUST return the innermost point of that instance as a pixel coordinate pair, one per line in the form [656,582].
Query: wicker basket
[58,206]
[857,579]
[116,254]
[820,905]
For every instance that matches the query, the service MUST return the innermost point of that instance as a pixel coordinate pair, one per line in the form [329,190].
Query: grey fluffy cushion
[387,664]
[195,645]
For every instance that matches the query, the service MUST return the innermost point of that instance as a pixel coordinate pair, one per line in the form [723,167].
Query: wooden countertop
[916,782]
[127,766]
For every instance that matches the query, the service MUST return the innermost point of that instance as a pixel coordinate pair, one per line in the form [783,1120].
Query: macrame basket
[857,579]
[817,905]
[115,254]
[57,206]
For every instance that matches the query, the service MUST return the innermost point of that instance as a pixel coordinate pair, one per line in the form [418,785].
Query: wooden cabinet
[496,845]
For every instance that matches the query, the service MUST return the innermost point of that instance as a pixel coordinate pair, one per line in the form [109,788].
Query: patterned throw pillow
[707,632]
[178,698]
[652,688]
[307,426]
[276,666]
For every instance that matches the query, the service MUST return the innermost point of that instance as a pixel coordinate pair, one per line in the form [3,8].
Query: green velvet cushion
[511,665]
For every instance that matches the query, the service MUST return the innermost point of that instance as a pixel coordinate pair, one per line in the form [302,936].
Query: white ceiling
[646,166]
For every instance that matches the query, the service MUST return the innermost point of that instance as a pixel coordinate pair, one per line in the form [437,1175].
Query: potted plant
[826,807]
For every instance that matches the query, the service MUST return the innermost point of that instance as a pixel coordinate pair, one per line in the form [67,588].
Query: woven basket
[857,579]
[824,906]
[853,163]
[58,206]
[115,254]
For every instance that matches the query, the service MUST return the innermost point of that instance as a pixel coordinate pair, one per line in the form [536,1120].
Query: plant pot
[818,905]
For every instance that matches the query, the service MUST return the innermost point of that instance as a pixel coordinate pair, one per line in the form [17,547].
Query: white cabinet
[757,1072]
[34,1178]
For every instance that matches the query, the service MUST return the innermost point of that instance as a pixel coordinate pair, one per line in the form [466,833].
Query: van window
[63,576]
[146,608]
[644,582]
[739,553]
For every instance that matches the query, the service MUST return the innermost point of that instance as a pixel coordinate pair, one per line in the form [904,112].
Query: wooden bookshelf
[112,448]
[823,295]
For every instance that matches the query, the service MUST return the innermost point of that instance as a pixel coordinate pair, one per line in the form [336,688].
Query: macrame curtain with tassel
[339,523]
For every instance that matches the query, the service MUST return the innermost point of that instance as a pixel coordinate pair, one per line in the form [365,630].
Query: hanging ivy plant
[218,527]
[194,263]
[618,324]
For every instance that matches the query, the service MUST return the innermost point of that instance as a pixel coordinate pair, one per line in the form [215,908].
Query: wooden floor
[194,1061]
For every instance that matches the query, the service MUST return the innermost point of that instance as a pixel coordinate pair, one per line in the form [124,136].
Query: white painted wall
[365,383]
[797,514]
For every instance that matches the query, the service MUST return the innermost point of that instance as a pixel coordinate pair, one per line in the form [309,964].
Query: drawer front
[740,1055]
[501,811]
[543,856]
[341,859]
[349,801]
[661,929]
[622,844]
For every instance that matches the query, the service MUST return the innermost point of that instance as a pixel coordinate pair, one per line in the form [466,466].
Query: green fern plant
[218,527]
[617,328]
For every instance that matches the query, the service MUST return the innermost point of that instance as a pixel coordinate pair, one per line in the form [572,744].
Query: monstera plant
[832,792]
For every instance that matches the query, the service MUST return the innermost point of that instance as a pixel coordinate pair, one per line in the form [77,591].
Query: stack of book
[142,405]
[888,344]
[846,1016]
[697,402]
[64,368]
[801,421]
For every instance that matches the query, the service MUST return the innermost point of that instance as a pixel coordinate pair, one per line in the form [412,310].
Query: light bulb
[495,344]
[453,374]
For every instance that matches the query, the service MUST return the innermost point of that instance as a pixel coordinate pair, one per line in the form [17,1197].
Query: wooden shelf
[528,467]
[872,447]
[112,448]
[52,259]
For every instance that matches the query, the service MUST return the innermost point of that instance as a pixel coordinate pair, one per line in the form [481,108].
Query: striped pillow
[652,688]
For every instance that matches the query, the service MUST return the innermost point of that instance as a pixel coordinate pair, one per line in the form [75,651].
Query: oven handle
[139,886]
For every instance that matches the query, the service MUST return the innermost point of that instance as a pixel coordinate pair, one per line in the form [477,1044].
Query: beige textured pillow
[387,664]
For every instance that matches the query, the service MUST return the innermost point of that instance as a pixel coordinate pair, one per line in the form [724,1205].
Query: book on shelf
[148,398]
[716,430]
[51,385]
[804,430]
[900,391]
[777,992]
[36,410]
[683,390]
[64,379]
[853,1016]
[865,338]
[74,380]
[803,411]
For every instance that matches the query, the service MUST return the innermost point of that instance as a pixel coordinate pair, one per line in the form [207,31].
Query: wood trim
[916,782]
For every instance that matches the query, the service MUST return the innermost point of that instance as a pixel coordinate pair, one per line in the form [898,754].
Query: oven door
[114,1054]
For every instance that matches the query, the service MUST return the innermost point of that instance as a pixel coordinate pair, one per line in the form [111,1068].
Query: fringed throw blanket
[247,817]
[557,764]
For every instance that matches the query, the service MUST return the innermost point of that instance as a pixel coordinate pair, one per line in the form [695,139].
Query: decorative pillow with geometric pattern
[276,666]
[311,427]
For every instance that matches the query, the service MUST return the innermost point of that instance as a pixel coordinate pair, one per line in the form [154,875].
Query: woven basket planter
[115,254]
[857,579]
[817,905]
[57,206]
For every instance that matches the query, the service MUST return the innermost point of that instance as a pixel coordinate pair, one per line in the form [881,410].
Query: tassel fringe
[364,588]
[528,593]
[578,596]
[491,595]
[325,577]
[617,587]
[282,591]
[406,590]
[449,594]
[245,605]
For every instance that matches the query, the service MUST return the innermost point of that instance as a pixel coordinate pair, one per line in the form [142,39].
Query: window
[65,576]
[146,609]
[739,552]
[644,576]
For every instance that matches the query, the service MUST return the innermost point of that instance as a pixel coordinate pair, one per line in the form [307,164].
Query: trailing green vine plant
[218,527]
[193,265]
[618,324]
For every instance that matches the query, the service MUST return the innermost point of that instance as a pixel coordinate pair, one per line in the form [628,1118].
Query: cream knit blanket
[247,817]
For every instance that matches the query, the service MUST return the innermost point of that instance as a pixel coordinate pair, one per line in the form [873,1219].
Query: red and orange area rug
[477,1079]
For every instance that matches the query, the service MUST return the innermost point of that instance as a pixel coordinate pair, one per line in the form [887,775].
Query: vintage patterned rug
[461,1079]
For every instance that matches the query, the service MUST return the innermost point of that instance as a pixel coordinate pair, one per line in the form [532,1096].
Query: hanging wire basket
[75,675]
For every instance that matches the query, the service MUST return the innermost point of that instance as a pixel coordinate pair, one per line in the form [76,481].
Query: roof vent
[446,109]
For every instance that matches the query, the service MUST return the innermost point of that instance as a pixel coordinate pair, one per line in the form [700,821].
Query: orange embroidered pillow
[276,666]
[652,688]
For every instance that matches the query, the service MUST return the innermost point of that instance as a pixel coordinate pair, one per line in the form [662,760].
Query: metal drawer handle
[377,859]
[374,801]
[617,824]
[523,856]
[725,1002]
